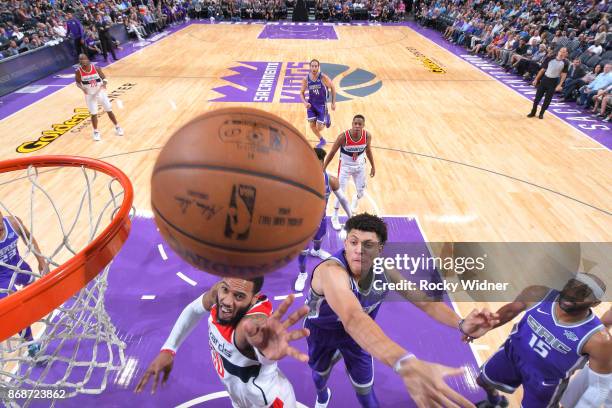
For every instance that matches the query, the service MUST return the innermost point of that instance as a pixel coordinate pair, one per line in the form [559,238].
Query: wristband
[398,364]
[469,338]
[168,351]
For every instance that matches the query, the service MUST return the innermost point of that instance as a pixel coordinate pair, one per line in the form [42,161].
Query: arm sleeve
[189,318]
[587,389]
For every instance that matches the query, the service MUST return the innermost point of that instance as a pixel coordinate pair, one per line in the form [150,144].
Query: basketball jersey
[317,92]
[9,253]
[546,347]
[322,315]
[353,152]
[248,382]
[90,79]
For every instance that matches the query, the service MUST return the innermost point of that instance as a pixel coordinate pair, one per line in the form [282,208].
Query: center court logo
[257,81]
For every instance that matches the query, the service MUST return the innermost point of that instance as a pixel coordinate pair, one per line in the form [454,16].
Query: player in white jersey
[354,145]
[246,339]
[92,81]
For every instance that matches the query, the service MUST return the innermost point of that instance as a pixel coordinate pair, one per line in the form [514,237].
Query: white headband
[597,290]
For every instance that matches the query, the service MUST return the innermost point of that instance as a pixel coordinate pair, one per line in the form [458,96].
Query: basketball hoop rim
[32,303]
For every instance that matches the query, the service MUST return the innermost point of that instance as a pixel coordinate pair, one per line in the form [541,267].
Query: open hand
[162,364]
[425,383]
[271,337]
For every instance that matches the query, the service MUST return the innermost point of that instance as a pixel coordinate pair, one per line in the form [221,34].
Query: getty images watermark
[424,274]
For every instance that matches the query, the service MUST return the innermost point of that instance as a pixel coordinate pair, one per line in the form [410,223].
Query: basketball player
[12,264]
[245,338]
[92,81]
[344,299]
[353,144]
[557,334]
[331,184]
[317,83]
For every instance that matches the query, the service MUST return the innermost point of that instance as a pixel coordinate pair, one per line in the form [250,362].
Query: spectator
[595,49]
[12,50]
[571,93]
[575,73]
[602,81]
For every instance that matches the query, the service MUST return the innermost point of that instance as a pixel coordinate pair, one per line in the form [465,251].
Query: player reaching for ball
[557,334]
[246,339]
[355,145]
[331,184]
[317,114]
[343,305]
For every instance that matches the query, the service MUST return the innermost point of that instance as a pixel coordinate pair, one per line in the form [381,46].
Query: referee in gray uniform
[550,78]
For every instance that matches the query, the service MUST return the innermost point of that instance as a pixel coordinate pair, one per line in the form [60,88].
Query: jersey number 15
[539,346]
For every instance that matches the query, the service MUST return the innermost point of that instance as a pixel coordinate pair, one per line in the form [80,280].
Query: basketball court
[456,158]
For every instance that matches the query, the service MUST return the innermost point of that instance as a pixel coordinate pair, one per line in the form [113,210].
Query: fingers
[295,353]
[283,307]
[452,371]
[445,402]
[449,393]
[298,334]
[143,381]
[155,380]
[295,316]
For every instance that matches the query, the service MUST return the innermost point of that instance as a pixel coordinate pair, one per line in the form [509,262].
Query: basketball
[237,192]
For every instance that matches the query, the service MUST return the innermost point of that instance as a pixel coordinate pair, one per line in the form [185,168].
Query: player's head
[365,236]
[358,123]
[83,59]
[320,154]
[315,65]
[234,298]
[581,293]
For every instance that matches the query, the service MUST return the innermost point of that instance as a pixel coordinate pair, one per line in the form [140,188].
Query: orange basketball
[238,192]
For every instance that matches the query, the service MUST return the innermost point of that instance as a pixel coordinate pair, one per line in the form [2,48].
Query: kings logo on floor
[258,81]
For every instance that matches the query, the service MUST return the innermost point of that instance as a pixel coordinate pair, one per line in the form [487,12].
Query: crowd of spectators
[29,24]
[519,35]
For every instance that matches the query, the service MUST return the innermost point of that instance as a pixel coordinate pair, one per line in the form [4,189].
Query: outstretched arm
[188,319]
[424,381]
[333,151]
[474,325]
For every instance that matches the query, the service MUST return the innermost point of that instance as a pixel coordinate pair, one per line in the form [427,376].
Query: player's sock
[323,396]
[368,400]
[302,261]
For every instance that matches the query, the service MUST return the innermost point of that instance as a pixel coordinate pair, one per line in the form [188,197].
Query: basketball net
[75,348]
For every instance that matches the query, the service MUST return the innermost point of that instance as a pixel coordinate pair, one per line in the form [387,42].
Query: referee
[554,70]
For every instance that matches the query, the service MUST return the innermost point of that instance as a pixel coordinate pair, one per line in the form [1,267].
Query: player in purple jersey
[331,185]
[344,297]
[317,84]
[14,270]
[557,335]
